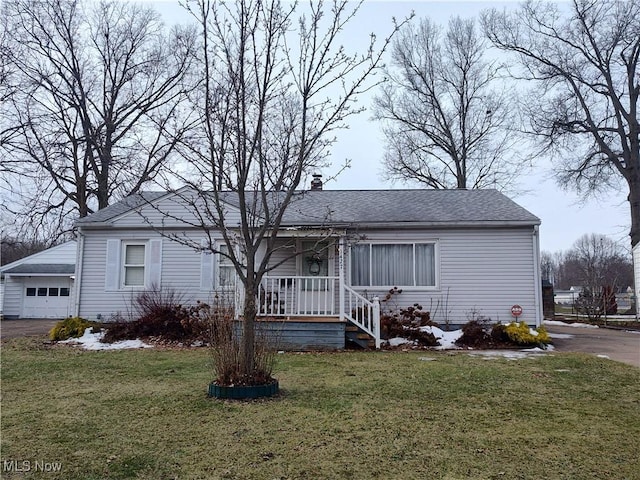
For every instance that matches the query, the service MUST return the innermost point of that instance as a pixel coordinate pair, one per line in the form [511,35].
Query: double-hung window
[133,265]
[226,270]
[393,264]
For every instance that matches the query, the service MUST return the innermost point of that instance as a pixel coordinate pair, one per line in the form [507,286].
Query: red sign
[516,311]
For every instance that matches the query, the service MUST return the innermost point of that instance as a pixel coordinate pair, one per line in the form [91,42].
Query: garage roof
[42,269]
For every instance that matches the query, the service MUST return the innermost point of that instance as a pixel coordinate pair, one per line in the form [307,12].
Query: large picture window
[393,264]
[134,265]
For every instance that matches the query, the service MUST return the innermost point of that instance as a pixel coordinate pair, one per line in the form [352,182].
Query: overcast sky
[564,216]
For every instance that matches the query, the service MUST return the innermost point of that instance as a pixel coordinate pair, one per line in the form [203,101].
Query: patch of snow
[563,370]
[563,324]
[603,356]
[394,342]
[561,335]
[91,341]
[509,354]
[447,340]
[426,359]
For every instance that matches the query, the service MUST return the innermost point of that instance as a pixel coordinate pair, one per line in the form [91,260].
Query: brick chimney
[316,183]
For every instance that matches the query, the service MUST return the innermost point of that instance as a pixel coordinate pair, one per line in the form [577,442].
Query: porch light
[314,265]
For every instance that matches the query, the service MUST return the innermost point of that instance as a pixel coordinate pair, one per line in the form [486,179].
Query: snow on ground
[91,341]
[563,324]
[447,340]
[511,354]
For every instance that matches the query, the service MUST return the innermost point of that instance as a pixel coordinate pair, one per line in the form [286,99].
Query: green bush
[521,334]
[69,327]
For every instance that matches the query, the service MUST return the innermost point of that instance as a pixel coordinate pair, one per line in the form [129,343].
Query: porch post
[376,321]
[341,275]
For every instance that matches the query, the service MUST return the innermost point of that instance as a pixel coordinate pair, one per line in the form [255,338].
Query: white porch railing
[364,313]
[298,296]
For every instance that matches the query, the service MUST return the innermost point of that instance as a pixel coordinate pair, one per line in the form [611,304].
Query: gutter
[78,281]
[341,225]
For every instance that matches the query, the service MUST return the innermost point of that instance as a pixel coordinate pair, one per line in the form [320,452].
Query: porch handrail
[363,312]
[297,295]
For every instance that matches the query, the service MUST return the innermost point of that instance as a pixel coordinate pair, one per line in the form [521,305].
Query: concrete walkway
[619,345]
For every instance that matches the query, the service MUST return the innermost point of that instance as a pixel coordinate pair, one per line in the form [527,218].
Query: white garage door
[46,297]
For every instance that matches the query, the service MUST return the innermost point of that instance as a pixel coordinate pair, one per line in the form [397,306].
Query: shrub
[406,322]
[521,334]
[475,333]
[69,327]
[225,343]
[160,313]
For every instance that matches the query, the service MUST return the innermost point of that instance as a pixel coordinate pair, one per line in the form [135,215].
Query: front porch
[315,312]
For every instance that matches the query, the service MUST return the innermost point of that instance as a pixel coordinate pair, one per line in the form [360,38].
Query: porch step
[355,336]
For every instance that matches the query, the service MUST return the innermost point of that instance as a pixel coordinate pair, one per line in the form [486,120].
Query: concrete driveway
[25,328]
[619,345]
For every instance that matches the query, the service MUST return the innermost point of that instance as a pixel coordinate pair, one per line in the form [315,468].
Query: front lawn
[144,414]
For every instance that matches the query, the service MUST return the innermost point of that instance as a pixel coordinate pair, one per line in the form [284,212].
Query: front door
[316,289]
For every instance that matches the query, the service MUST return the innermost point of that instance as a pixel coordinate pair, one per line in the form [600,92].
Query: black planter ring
[243,391]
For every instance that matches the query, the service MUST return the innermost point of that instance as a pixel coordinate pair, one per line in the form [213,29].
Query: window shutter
[112,272]
[155,263]
[206,269]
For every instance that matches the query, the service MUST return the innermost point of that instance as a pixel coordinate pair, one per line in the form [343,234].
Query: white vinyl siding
[168,265]
[393,265]
[486,270]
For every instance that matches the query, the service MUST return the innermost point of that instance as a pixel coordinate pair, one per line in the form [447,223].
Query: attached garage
[40,286]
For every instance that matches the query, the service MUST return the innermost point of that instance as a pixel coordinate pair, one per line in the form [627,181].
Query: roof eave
[415,225]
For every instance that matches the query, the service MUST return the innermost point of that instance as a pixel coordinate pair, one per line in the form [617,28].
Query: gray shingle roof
[123,206]
[374,207]
[407,206]
[43,269]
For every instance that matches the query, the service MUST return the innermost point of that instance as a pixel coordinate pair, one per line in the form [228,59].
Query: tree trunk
[634,204]
[248,328]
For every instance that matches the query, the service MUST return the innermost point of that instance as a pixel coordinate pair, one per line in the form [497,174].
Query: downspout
[78,282]
[536,275]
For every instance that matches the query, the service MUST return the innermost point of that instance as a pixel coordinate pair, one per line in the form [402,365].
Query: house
[40,285]
[459,253]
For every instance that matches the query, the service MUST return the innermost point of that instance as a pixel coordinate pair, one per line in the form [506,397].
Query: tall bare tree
[445,111]
[276,84]
[582,59]
[95,109]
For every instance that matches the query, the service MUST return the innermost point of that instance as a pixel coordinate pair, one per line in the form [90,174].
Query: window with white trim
[226,270]
[133,264]
[393,264]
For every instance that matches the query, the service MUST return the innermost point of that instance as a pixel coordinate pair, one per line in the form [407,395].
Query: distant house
[567,296]
[458,253]
[40,285]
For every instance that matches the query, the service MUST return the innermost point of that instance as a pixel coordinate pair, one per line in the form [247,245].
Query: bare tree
[276,84]
[95,110]
[446,113]
[583,60]
[599,261]
[548,267]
